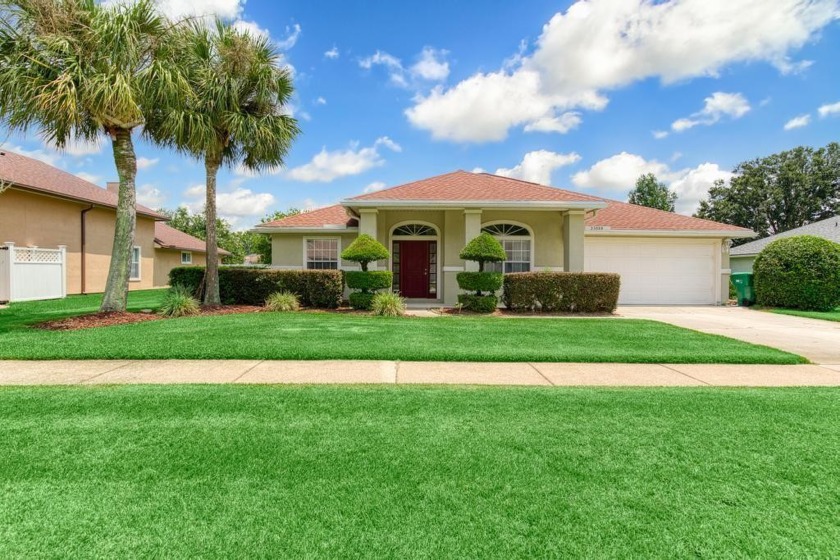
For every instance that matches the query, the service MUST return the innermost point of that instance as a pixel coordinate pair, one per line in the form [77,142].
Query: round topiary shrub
[362,301]
[479,304]
[364,250]
[479,282]
[801,272]
[371,280]
[483,249]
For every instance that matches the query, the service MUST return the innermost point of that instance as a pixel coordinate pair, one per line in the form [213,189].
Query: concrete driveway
[819,341]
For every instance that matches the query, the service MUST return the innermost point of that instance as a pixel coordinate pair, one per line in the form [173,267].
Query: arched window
[419,230]
[516,240]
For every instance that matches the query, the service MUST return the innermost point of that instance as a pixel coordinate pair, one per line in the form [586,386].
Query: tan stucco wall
[28,219]
[167,259]
[287,248]
[547,227]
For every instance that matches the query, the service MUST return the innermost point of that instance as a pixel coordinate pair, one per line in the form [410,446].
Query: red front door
[414,268]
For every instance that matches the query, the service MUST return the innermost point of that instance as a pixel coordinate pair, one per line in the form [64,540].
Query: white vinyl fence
[30,273]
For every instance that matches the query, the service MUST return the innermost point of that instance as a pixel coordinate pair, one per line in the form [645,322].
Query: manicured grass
[281,472]
[824,315]
[311,336]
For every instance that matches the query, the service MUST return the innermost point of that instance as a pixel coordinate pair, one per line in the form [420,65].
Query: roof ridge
[540,185]
[411,183]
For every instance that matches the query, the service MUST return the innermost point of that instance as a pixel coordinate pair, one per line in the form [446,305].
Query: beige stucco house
[43,206]
[663,257]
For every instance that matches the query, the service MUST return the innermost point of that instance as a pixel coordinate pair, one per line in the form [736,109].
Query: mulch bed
[110,319]
[508,313]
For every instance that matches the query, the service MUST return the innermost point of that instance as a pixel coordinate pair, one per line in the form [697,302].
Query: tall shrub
[482,249]
[365,250]
[801,272]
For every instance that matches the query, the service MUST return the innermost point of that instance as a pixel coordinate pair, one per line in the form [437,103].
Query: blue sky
[581,95]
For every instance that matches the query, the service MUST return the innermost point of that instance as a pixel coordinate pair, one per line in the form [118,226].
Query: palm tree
[236,116]
[78,68]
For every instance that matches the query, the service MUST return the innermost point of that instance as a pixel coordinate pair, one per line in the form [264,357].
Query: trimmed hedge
[480,281]
[368,281]
[801,272]
[572,292]
[365,249]
[252,286]
[479,304]
[483,249]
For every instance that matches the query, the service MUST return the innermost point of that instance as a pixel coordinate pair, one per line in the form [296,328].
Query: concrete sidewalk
[99,372]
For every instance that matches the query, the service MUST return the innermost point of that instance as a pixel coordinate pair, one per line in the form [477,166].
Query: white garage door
[658,271]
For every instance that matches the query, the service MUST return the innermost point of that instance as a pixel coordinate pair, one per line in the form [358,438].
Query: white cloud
[238,206]
[327,166]
[798,122]
[431,66]
[251,28]
[537,166]
[291,39]
[152,197]
[619,173]
[332,53]
[600,45]
[660,134]
[225,9]
[829,109]
[374,187]
[48,157]
[320,101]
[147,163]
[563,123]
[395,68]
[717,106]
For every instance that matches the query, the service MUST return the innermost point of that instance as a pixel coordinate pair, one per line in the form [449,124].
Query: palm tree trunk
[211,274]
[116,287]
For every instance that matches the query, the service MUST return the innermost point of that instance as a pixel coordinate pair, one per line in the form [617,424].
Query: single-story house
[663,258]
[43,206]
[743,256]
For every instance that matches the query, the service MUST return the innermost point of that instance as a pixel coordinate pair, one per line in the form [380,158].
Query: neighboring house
[663,258]
[43,206]
[743,256]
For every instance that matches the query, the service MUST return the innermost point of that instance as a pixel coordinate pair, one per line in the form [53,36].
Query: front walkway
[99,372]
[819,341]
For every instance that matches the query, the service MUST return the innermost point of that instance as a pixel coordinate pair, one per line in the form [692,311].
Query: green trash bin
[743,282]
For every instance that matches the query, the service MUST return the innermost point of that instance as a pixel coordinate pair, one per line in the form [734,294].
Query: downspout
[84,244]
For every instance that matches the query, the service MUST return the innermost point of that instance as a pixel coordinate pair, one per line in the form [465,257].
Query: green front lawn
[824,315]
[281,472]
[311,336]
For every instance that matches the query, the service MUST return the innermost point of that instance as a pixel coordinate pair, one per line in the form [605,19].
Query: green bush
[367,281]
[572,292]
[479,304]
[282,301]
[179,302]
[388,304]
[362,301]
[801,272]
[480,281]
[483,249]
[365,249]
[252,286]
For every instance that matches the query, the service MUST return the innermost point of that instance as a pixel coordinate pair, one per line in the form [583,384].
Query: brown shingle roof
[622,215]
[463,186]
[35,175]
[170,238]
[330,216]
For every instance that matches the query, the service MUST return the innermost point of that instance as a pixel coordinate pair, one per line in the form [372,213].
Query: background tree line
[768,195]
[239,243]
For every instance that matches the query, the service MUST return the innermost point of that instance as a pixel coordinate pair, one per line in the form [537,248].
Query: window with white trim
[516,241]
[135,264]
[186,257]
[322,254]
